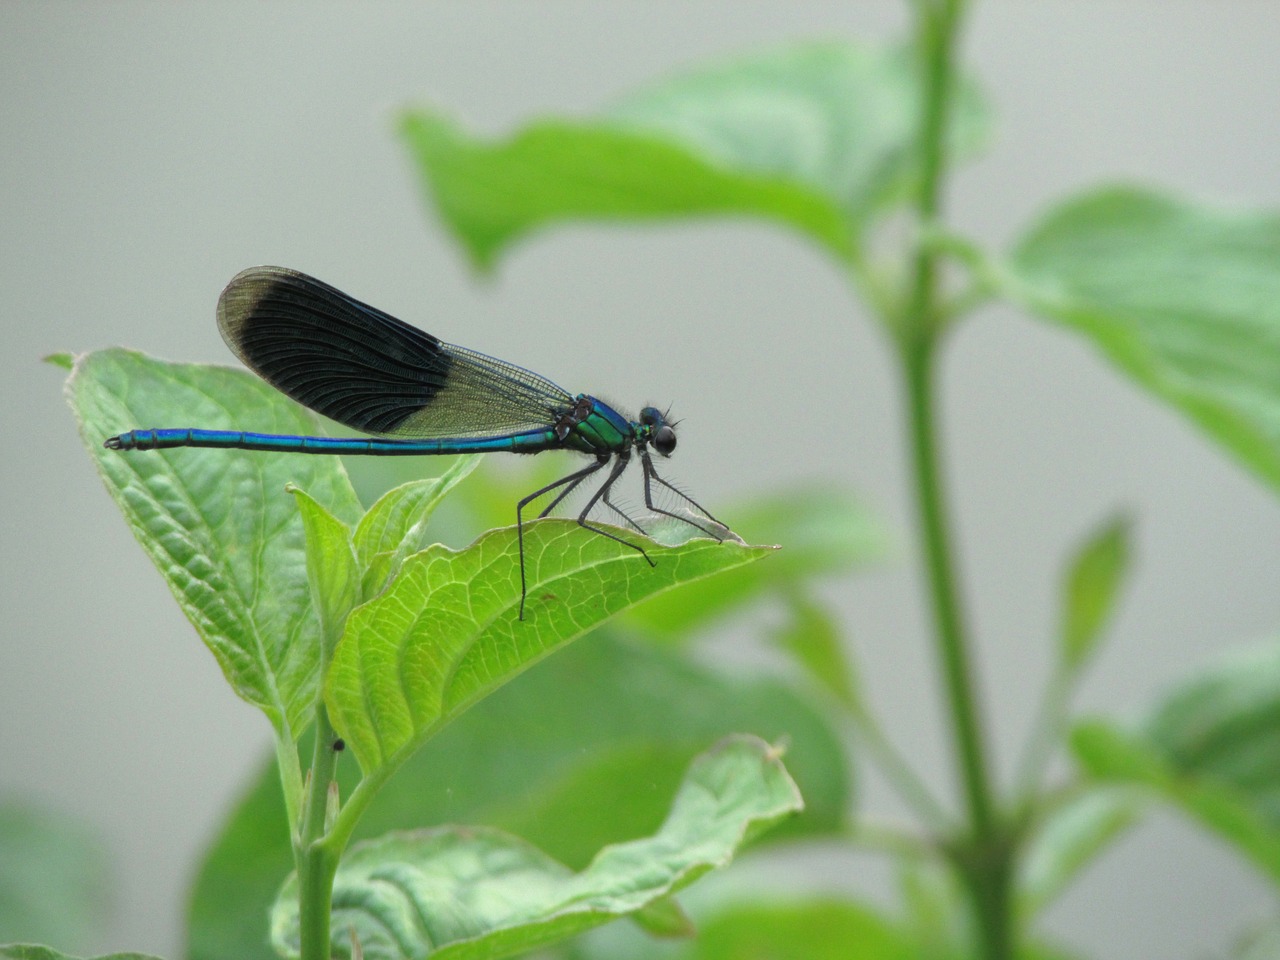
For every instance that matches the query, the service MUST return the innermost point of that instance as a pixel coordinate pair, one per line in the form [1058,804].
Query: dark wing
[364,368]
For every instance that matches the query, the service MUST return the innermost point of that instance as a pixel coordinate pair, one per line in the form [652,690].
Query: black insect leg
[569,483]
[622,513]
[650,473]
[619,465]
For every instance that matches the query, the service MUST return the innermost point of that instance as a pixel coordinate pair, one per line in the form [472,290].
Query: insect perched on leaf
[417,395]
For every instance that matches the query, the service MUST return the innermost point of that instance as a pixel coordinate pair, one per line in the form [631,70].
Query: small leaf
[54,882]
[823,532]
[331,565]
[395,527]
[1089,595]
[218,523]
[569,774]
[814,639]
[1071,837]
[64,360]
[446,633]
[819,137]
[475,893]
[1184,298]
[665,918]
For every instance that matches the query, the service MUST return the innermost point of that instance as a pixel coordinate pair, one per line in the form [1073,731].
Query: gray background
[149,152]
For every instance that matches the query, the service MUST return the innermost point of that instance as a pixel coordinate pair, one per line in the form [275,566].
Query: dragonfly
[415,395]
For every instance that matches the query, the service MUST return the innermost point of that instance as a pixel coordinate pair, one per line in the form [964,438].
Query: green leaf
[218,524]
[29,951]
[818,137]
[823,532]
[395,527]
[1224,724]
[1184,298]
[1111,754]
[568,773]
[1211,747]
[473,893]
[756,925]
[1070,837]
[819,928]
[445,633]
[665,918]
[934,908]
[64,360]
[54,883]
[814,639]
[332,570]
[1089,595]
[492,194]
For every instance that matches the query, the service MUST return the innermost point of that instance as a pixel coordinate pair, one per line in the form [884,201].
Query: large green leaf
[821,927]
[218,524]
[784,925]
[1212,747]
[818,137]
[570,773]
[29,951]
[476,893]
[446,632]
[1184,298]
[54,883]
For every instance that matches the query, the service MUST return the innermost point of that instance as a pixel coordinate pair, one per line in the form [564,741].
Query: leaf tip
[62,359]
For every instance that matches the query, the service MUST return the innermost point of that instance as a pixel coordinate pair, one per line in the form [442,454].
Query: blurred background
[148,152]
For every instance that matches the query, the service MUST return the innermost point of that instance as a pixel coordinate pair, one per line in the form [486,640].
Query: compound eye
[664,440]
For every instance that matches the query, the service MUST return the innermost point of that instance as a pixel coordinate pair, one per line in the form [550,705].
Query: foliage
[354,626]
[1180,296]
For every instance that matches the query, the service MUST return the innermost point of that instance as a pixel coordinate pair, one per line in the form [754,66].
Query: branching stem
[983,852]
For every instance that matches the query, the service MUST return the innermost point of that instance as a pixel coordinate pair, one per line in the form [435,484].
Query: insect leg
[569,483]
[650,473]
[619,465]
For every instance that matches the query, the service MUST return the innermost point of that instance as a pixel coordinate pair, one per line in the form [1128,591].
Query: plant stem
[983,855]
[316,870]
[953,646]
[315,862]
[919,339]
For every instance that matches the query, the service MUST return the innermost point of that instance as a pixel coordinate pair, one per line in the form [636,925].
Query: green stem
[316,862]
[919,339]
[953,645]
[982,855]
[316,871]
